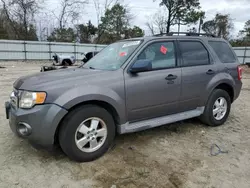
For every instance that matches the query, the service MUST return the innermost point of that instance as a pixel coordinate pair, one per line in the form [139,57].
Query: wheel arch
[110,108]
[67,60]
[221,81]
[228,88]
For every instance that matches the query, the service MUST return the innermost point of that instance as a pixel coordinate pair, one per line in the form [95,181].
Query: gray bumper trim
[43,119]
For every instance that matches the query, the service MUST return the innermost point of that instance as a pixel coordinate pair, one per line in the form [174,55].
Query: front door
[154,93]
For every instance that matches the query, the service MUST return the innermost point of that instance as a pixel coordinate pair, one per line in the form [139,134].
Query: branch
[67,9]
[109,2]
[8,17]
[98,12]
[150,27]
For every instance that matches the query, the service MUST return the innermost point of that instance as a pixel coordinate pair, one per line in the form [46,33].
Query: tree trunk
[168,25]
[25,25]
[200,25]
[168,28]
[179,26]
[169,21]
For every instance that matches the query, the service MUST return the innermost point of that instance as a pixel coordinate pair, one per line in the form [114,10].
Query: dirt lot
[172,156]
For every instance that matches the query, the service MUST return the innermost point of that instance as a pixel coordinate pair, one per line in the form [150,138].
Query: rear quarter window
[223,51]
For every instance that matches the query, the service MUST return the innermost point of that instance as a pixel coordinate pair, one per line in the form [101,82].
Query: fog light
[24,129]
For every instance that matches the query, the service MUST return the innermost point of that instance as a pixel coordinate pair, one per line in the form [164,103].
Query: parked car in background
[64,60]
[129,86]
[86,58]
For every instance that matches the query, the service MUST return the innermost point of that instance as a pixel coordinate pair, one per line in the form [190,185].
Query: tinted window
[193,53]
[223,51]
[162,55]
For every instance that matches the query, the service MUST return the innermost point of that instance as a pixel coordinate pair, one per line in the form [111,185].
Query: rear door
[197,71]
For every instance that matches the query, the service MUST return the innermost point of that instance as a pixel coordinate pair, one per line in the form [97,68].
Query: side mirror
[143,65]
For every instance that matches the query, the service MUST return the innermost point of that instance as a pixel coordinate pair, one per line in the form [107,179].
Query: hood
[58,78]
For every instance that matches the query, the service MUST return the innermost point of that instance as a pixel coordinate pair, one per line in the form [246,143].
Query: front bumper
[42,119]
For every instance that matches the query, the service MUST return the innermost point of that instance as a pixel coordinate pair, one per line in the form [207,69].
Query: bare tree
[45,25]
[69,10]
[161,23]
[20,15]
[6,16]
[158,23]
[151,27]
[100,10]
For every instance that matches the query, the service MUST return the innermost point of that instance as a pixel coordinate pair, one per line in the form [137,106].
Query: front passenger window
[162,55]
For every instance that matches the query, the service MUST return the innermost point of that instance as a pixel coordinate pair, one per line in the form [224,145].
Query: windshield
[113,56]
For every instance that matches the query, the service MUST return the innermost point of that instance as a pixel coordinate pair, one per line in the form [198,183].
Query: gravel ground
[171,156]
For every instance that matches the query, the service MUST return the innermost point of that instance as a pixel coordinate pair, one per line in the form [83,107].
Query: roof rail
[185,33]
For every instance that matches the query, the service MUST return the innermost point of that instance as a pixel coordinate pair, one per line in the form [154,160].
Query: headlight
[29,99]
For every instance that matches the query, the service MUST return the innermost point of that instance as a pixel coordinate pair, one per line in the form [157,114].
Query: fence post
[50,51]
[245,54]
[25,51]
[75,50]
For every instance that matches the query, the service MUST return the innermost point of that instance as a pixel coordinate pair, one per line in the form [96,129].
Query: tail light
[240,70]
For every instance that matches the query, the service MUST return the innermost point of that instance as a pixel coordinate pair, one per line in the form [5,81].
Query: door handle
[210,72]
[171,77]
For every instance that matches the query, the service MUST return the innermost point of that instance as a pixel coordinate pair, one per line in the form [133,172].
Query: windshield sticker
[123,54]
[163,49]
[134,43]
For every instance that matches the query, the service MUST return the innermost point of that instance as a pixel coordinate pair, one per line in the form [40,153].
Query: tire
[69,133]
[208,116]
[65,63]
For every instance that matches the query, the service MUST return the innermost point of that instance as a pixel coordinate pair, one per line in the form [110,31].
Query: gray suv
[130,86]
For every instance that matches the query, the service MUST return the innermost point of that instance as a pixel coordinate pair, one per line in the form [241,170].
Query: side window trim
[177,62]
[210,59]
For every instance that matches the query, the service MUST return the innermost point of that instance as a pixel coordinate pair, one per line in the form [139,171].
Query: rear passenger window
[223,51]
[194,53]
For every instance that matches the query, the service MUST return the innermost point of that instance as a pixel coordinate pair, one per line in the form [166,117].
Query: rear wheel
[217,109]
[87,133]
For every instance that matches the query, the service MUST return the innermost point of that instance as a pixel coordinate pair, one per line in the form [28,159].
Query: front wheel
[87,133]
[217,109]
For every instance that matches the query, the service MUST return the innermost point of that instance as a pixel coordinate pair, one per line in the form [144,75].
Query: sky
[144,9]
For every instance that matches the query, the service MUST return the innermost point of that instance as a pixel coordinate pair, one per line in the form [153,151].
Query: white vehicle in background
[64,60]
[67,60]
